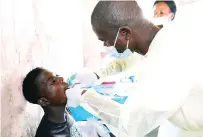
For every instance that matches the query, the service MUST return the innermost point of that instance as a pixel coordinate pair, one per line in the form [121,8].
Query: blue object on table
[80,114]
[132,78]
[101,88]
[119,99]
[98,89]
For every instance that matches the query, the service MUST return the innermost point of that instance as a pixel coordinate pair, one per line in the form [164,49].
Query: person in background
[164,11]
[170,77]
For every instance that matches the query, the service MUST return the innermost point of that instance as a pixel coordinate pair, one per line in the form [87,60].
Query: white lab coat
[169,86]
[167,129]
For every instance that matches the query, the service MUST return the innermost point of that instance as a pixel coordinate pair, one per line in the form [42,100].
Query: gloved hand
[86,78]
[99,128]
[92,128]
[74,95]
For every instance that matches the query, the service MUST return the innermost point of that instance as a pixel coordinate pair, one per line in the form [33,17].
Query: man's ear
[43,102]
[125,32]
[172,15]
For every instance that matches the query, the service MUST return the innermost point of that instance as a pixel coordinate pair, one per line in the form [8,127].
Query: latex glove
[85,77]
[74,96]
[92,128]
[98,127]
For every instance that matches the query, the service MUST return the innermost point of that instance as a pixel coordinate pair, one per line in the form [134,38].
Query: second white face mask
[161,20]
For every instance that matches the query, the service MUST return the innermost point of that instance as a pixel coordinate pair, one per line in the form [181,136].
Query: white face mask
[114,53]
[161,20]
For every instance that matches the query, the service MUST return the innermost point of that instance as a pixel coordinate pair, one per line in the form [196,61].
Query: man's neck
[150,33]
[56,114]
[153,33]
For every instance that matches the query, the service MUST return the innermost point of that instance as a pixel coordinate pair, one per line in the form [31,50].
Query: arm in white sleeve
[107,109]
[87,77]
[119,65]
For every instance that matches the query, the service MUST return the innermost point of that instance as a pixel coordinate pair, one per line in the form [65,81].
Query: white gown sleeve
[119,65]
[107,109]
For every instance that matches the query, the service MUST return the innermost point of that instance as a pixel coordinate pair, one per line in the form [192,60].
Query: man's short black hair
[114,14]
[30,87]
[171,4]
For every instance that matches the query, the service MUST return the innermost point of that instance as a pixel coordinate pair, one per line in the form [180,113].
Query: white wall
[34,33]
[92,46]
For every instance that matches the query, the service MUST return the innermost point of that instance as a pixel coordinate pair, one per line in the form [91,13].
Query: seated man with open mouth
[42,87]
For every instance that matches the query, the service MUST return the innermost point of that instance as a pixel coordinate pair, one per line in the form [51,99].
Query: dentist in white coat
[170,77]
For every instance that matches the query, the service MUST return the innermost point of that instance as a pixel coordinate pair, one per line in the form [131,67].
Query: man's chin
[65,85]
[63,102]
[65,88]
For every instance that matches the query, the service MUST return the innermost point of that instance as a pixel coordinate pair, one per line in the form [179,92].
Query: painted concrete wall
[92,46]
[34,33]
